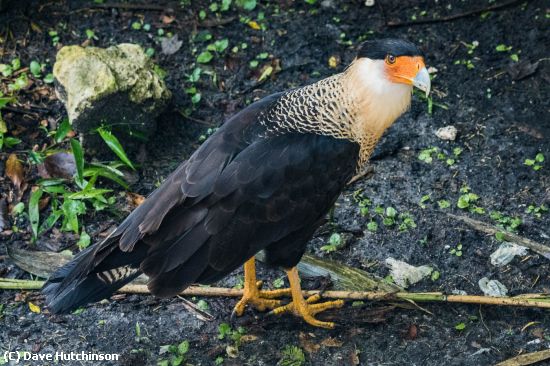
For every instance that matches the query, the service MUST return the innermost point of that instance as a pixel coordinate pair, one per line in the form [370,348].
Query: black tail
[94,274]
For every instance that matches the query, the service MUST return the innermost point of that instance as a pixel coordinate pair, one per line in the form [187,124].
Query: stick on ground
[527,300]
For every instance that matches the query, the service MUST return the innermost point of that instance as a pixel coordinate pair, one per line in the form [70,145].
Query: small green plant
[460,326]
[90,34]
[177,354]
[456,250]
[471,46]
[425,198]
[54,36]
[335,242]
[435,275]
[505,222]
[443,204]
[363,202]
[372,226]
[537,211]
[467,201]
[202,305]
[427,155]
[407,222]
[246,4]
[292,356]
[278,282]
[468,63]
[225,332]
[504,48]
[535,163]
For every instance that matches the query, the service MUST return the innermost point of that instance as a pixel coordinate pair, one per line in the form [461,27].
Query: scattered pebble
[447,133]
[492,287]
[505,253]
[369,2]
[459,292]
[404,274]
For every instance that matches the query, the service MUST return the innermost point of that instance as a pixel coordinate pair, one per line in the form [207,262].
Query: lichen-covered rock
[115,86]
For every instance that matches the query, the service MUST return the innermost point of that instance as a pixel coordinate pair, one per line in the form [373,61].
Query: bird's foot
[259,299]
[306,309]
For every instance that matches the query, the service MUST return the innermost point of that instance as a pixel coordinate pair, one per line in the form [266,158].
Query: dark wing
[275,190]
[237,194]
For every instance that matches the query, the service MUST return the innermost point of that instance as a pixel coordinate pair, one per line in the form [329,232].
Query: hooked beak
[422,81]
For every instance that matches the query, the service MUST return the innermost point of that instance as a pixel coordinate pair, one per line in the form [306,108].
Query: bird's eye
[390,59]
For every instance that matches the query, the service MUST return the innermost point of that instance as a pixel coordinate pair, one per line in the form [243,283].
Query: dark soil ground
[501,121]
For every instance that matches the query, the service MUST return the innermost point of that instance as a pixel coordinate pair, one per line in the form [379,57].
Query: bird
[263,182]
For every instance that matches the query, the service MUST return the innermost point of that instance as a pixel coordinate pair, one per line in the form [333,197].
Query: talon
[260,299]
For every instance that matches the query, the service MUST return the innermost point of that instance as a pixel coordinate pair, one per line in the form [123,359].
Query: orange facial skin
[403,69]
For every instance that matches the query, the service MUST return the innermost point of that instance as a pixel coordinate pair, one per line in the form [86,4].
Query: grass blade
[78,158]
[62,130]
[115,145]
[34,212]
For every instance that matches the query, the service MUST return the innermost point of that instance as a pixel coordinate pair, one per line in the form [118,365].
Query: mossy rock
[115,86]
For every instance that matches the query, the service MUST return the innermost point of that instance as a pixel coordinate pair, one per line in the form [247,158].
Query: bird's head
[394,61]
[381,79]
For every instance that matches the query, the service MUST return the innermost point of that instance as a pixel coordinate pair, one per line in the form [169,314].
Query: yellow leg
[305,308]
[260,299]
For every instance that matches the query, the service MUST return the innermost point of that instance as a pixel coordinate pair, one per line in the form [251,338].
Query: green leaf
[183,347]
[391,212]
[335,239]
[435,275]
[539,158]
[221,45]
[460,326]
[106,173]
[246,4]
[18,209]
[35,68]
[444,204]
[78,158]
[62,130]
[84,240]
[16,63]
[49,78]
[115,145]
[5,100]
[503,48]
[88,193]
[205,57]
[223,330]
[34,212]
[71,210]
[372,226]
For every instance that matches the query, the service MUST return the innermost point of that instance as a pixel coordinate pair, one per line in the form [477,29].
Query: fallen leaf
[331,342]
[167,19]
[307,344]
[522,70]
[412,332]
[170,45]
[60,165]
[333,62]
[254,25]
[134,199]
[14,170]
[34,308]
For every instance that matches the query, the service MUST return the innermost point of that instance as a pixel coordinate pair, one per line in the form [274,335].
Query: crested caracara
[263,181]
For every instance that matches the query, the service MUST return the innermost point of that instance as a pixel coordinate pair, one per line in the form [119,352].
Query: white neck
[380,101]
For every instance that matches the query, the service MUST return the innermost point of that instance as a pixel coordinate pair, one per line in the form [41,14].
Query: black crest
[378,49]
